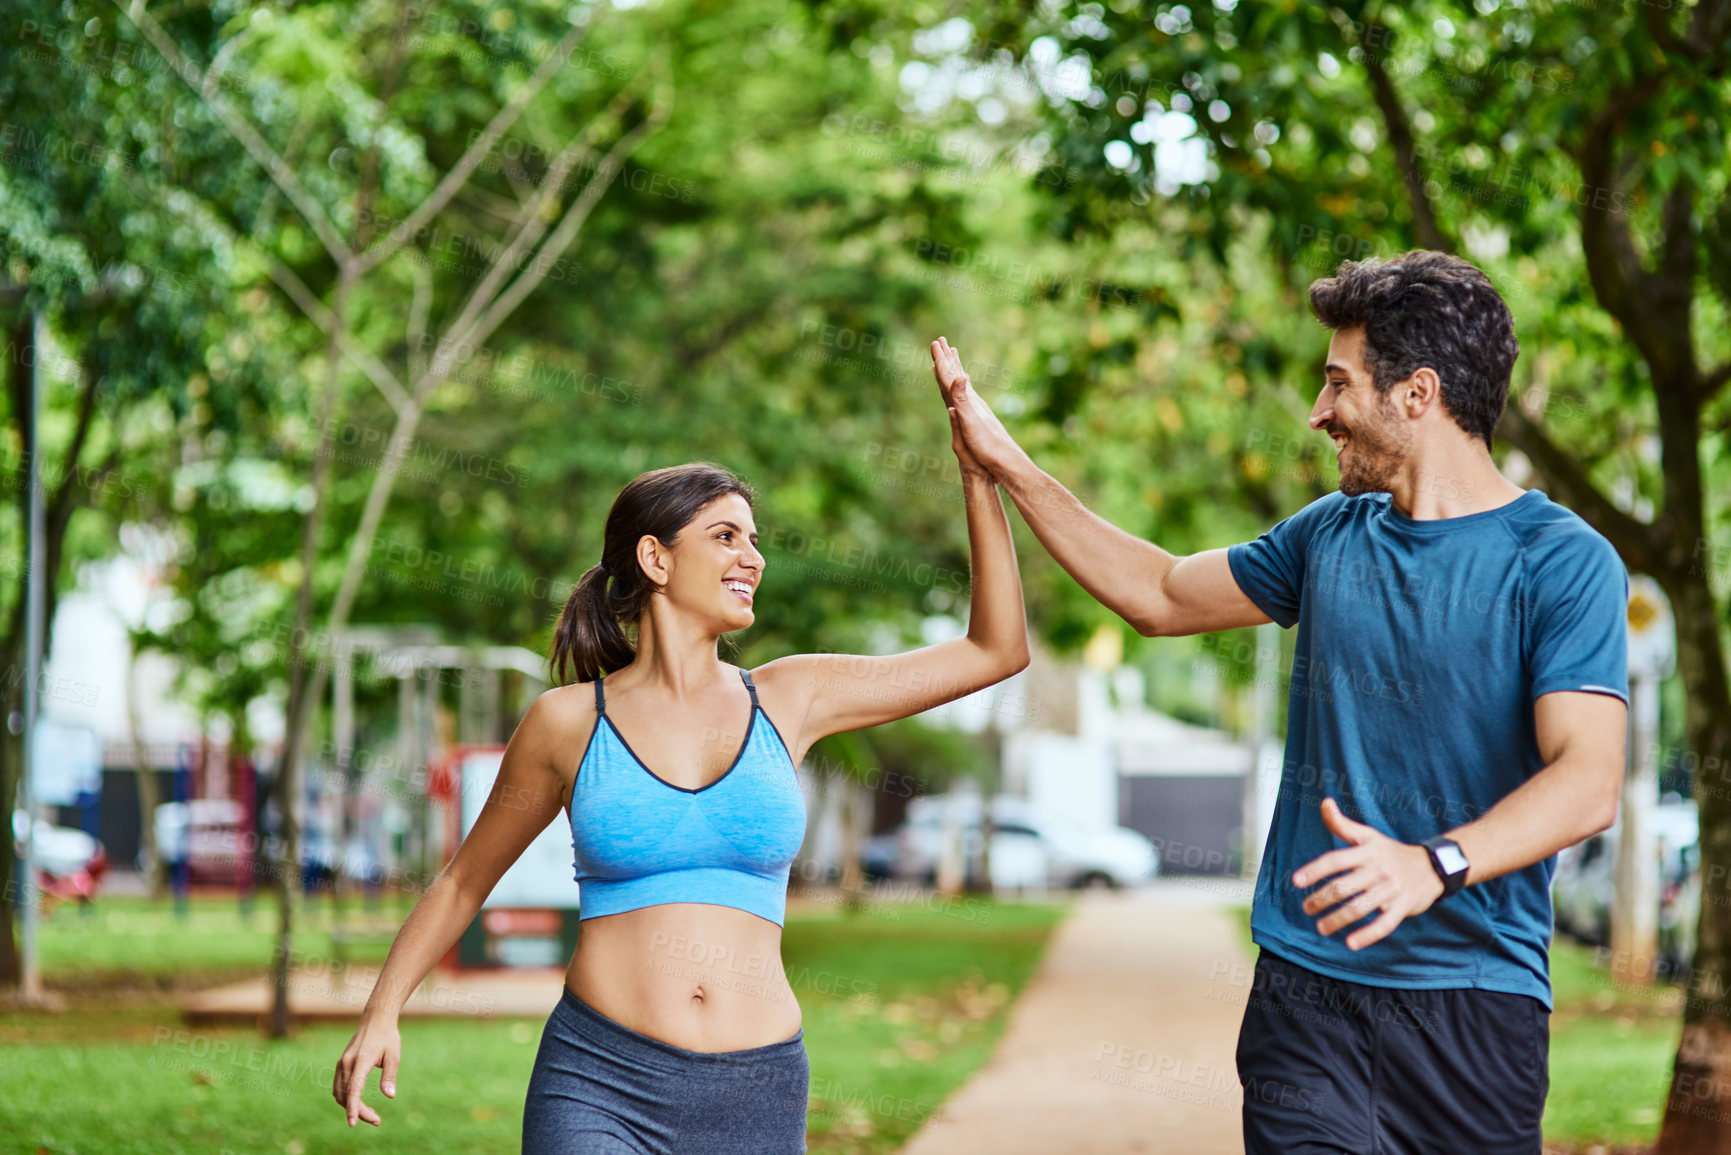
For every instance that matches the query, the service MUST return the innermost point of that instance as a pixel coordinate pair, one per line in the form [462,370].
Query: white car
[70,864]
[60,850]
[1029,849]
[1585,880]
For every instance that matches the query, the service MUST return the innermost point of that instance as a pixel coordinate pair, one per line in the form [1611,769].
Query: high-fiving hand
[978,437]
[1374,873]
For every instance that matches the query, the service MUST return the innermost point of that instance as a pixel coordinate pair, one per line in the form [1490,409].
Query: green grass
[885,1054]
[1611,1050]
[901,1005]
[1241,913]
[141,940]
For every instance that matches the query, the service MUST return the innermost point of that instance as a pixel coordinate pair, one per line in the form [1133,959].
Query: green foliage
[908,751]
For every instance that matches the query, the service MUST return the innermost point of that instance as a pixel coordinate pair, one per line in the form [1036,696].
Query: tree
[134,324]
[538,232]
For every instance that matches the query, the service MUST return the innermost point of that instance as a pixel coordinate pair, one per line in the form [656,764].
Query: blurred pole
[343,734]
[952,864]
[37,600]
[1635,900]
[246,872]
[183,855]
[402,795]
[425,853]
[1263,786]
[1635,894]
[491,696]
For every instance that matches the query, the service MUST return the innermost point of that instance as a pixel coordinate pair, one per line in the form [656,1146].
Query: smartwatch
[1449,862]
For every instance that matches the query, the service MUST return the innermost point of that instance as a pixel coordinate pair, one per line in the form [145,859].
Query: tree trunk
[20,345]
[147,796]
[13,890]
[853,810]
[1698,1108]
[303,689]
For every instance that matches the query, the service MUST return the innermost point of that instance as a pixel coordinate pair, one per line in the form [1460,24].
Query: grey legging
[601,1088]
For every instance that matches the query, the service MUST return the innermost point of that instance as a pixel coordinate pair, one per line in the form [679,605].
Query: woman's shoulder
[564,710]
[785,686]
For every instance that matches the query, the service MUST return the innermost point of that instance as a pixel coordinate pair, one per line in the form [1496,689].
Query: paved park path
[1123,1040]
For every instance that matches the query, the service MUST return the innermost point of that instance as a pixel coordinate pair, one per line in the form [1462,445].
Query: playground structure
[364,812]
[392,792]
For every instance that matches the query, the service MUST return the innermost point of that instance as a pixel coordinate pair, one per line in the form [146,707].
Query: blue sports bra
[638,840]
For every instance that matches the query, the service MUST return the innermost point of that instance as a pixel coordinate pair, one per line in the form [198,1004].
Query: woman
[677,1030]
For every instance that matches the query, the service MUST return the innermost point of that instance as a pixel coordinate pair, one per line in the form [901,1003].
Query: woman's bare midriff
[695,975]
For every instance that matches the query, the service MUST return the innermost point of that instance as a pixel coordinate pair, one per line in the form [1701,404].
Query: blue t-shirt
[1422,648]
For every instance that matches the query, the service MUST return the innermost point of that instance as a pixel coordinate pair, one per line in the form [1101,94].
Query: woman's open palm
[980,440]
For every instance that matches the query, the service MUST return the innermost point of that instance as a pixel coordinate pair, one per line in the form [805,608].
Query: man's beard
[1376,448]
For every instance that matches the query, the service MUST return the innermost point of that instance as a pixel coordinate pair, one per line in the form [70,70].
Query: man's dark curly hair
[1425,308]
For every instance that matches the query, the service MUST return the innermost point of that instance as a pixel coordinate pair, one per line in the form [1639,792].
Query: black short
[1338,1068]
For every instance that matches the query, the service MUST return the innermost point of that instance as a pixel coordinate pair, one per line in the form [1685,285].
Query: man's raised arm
[1155,591]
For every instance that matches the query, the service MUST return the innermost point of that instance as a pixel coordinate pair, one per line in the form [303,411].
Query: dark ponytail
[590,639]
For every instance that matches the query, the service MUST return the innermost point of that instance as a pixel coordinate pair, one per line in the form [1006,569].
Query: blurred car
[1585,882]
[207,833]
[70,864]
[1581,888]
[878,857]
[1680,908]
[1028,849]
[211,836]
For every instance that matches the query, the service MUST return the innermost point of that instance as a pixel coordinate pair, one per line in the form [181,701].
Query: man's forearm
[1121,571]
[1557,807]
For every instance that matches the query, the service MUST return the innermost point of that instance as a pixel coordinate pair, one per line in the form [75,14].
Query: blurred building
[1080,742]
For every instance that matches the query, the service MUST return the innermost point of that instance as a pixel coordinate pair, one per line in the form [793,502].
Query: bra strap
[746,674]
[600,702]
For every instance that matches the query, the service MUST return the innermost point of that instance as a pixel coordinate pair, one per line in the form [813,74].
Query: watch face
[1453,861]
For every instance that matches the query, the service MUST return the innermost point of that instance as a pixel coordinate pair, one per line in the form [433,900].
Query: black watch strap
[1449,862]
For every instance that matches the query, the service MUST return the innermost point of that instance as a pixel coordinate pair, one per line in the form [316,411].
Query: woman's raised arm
[840,692]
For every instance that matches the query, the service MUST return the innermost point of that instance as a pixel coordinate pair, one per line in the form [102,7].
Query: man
[1457,712]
